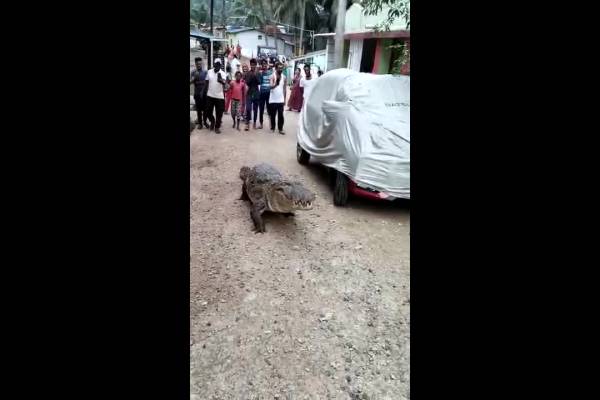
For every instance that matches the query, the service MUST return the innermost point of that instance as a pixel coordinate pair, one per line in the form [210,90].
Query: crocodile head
[289,196]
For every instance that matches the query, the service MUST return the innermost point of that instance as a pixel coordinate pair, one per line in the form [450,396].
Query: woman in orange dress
[295,101]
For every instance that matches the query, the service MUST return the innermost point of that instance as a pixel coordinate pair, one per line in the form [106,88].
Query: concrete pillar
[339,34]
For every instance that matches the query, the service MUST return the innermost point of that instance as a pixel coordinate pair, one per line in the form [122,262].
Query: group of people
[232,51]
[248,92]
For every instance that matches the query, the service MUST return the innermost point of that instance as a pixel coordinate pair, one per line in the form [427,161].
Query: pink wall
[377,57]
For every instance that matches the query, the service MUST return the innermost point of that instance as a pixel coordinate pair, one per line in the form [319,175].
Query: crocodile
[268,190]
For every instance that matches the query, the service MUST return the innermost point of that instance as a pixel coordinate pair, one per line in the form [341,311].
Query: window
[259,37]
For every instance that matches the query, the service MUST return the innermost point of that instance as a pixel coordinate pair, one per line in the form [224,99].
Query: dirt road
[315,308]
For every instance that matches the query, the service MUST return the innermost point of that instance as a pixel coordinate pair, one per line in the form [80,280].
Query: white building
[249,39]
[316,59]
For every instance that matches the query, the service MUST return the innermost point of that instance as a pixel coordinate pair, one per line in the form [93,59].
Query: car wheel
[301,155]
[340,191]
[331,177]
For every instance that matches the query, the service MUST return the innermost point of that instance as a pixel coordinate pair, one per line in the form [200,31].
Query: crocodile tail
[244,171]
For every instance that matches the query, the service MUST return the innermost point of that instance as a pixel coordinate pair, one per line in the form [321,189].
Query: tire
[301,155]
[340,191]
[331,177]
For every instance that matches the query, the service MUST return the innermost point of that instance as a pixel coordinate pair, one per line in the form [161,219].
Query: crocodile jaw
[303,205]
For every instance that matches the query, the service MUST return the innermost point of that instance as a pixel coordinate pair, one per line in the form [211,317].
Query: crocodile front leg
[244,195]
[256,214]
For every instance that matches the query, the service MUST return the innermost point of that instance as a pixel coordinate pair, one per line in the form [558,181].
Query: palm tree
[265,19]
[276,33]
[223,13]
[303,10]
[254,12]
[198,12]
[331,6]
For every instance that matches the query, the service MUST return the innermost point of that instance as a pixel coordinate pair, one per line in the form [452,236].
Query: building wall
[356,21]
[289,50]
[313,70]
[317,61]
[353,21]
[320,61]
[249,42]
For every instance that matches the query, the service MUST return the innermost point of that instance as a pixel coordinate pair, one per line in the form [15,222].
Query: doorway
[368,55]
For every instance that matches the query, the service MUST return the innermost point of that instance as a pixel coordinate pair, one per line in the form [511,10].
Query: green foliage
[397,9]
[402,59]
[200,10]
[331,8]
[259,12]
[291,12]
[249,9]
[316,15]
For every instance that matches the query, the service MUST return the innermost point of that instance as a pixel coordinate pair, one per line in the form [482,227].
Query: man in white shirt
[277,98]
[235,65]
[307,82]
[215,98]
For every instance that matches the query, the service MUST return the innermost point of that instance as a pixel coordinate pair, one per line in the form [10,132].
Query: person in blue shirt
[252,79]
[265,89]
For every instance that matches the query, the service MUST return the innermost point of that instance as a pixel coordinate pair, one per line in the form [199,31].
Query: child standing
[238,91]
